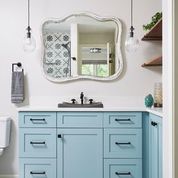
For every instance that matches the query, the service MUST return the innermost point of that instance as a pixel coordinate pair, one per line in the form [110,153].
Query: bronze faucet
[81,97]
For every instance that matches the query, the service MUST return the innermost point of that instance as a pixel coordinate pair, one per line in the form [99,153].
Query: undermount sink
[77,105]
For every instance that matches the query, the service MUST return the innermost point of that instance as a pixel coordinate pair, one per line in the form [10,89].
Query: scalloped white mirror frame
[118,61]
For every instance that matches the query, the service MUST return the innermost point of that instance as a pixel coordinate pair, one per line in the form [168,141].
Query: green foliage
[155,19]
[98,70]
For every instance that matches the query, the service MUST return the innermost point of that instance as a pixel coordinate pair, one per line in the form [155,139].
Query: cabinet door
[155,147]
[79,153]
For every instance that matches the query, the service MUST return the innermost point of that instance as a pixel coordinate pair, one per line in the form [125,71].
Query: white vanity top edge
[156,111]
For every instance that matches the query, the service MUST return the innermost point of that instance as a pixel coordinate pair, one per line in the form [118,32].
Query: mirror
[82,46]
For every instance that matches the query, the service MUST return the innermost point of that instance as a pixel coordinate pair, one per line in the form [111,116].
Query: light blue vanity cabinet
[80,144]
[37,144]
[152,146]
[155,146]
[122,144]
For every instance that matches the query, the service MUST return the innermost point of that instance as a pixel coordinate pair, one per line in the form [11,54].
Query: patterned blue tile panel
[57,54]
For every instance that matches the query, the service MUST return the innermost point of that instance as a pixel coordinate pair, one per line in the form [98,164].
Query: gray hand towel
[17,87]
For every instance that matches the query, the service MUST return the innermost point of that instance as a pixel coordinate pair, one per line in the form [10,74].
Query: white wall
[135,81]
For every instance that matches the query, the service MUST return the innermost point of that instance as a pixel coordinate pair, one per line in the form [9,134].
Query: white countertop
[156,111]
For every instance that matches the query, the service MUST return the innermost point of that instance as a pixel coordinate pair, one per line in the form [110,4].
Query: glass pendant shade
[132,44]
[29,43]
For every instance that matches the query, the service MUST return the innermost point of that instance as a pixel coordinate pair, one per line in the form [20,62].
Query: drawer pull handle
[38,120]
[124,143]
[37,143]
[38,173]
[122,120]
[153,123]
[123,173]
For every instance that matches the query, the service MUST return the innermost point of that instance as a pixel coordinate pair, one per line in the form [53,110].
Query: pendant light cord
[131,15]
[28,27]
[28,13]
[29,42]
[131,20]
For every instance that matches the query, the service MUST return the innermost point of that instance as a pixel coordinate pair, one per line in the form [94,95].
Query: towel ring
[18,64]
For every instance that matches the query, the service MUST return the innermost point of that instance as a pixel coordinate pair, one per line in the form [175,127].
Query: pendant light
[29,44]
[131,43]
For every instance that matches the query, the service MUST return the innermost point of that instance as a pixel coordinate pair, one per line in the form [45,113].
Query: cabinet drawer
[37,119]
[123,143]
[126,168]
[123,119]
[37,142]
[39,168]
[79,119]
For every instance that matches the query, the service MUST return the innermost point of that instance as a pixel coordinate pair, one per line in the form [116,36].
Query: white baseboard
[9,176]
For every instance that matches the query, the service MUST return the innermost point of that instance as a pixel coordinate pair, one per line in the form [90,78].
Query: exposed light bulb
[132,44]
[29,44]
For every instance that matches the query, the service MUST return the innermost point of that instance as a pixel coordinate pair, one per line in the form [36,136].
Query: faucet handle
[91,101]
[73,101]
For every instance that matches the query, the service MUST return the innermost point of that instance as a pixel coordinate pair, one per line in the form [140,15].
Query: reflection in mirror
[82,46]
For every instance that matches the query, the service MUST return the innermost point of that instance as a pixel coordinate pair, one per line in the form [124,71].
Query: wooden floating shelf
[155,34]
[154,62]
